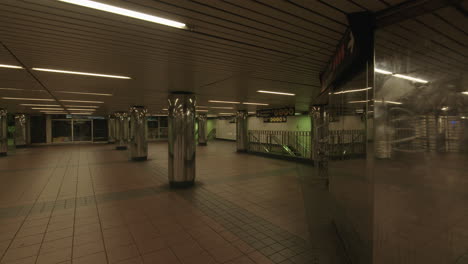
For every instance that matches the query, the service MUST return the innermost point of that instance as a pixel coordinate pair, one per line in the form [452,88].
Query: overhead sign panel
[276,112]
[354,49]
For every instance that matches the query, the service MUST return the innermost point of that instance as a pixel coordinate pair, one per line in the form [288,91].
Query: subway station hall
[234,131]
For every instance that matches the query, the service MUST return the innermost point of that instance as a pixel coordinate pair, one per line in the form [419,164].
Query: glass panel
[153,129]
[82,130]
[61,131]
[100,130]
[421,127]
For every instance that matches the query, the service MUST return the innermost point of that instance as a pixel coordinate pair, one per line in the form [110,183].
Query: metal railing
[284,143]
[212,134]
[346,143]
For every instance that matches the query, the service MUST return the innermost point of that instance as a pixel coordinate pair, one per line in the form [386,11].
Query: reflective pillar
[202,141]
[138,143]
[22,130]
[181,139]
[3,133]
[241,131]
[121,130]
[111,129]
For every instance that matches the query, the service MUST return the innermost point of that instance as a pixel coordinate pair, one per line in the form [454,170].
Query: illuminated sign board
[276,112]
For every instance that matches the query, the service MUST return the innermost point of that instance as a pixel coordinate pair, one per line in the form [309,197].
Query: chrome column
[181,139]
[111,129]
[138,143]
[202,129]
[121,130]
[3,133]
[22,130]
[241,131]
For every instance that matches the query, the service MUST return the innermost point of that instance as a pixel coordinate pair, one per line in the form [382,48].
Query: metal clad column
[3,133]
[138,143]
[111,129]
[241,131]
[22,133]
[202,129]
[181,139]
[120,130]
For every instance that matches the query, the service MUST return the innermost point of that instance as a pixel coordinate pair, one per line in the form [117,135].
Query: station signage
[351,54]
[278,119]
[276,112]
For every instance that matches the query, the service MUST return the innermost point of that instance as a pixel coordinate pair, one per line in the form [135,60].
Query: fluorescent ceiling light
[246,103]
[27,99]
[273,92]
[410,78]
[353,91]
[221,107]
[226,113]
[445,108]
[382,71]
[78,109]
[53,112]
[199,106]
[164,109]
[85,106]
[251,113]
[83,73]
[79,101]
[82,113]
[358,102]
[45,108]
[12,89]
[388,102]
[44,105]
[465,93]
[100,94]
[223,102]
[126,12]
[10,66]
[201,110]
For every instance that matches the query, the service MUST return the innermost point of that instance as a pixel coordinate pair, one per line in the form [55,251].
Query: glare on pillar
[181,139]
[121,130]
[3,133]
[138,143]
[202,141]
[241,131]
[22,130]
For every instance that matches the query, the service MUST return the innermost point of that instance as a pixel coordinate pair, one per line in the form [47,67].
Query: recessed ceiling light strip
[28,99]
[84,106]
[247,103]
[99,94]
[274,92]
[82,73]
[223,102]
[80,101]
[126,12]
[10,66]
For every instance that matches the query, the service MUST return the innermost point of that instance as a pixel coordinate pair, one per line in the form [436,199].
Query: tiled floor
[89,204]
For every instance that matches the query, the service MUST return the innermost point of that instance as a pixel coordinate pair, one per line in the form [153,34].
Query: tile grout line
[76,202]
[29,212]
[53,208]
[97,210]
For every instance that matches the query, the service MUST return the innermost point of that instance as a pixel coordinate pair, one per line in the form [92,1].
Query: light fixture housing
[79,109]
[46,108]
[10,66]
[274,92]
[383,71]
[27,99]
[126,12]
[410,78]
[84,106]
[82,73]
[42,105]
[221,107]
[353,91]
[223,102]
[80,101]
[247,103]
[98,94]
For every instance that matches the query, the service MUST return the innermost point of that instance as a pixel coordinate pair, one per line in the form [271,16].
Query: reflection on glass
[421,187]
[82,130]
[61,131]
